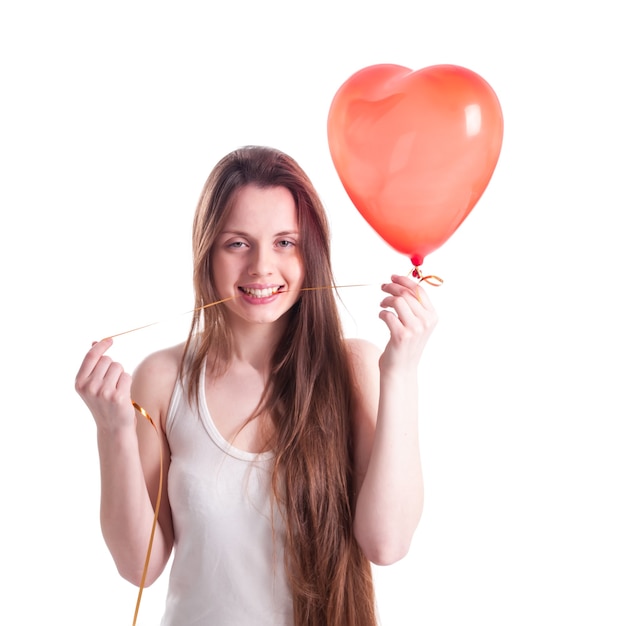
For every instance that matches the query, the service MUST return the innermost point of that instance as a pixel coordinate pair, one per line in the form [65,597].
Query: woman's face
[256,257]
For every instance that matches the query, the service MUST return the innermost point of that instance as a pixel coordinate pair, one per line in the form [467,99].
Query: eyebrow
[242,233]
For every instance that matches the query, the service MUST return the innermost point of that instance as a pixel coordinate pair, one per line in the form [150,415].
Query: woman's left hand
[411,319]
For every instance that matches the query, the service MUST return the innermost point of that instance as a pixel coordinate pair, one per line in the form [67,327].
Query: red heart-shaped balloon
[415,150]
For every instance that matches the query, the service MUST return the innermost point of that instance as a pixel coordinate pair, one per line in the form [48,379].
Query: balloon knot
[435,281]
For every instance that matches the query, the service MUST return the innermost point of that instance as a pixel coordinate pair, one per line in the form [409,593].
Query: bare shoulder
[163,363]
[154,380]
[363,355]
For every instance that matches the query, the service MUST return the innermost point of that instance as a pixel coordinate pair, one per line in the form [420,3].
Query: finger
[124,383]
[401,286]
[118,381]
[100,347]
[93,357]
[406,308]
[393,322]
[415,288]
[405,281]
[422,296]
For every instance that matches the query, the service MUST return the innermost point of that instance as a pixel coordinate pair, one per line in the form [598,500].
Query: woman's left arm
[388,469]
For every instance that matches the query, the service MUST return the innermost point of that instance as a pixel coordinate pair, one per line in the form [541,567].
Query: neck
[255,343]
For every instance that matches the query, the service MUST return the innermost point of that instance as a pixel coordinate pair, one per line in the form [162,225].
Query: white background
[112,115]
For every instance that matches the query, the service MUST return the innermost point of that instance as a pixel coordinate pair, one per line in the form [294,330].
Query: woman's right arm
[129,450]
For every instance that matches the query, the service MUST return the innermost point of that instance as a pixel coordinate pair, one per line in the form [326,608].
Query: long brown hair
[308,396]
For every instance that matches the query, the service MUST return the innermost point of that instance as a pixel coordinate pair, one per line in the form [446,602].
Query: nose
[260,262]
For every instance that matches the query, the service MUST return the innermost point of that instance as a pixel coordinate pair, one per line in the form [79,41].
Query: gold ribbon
[156,512]
[433,280]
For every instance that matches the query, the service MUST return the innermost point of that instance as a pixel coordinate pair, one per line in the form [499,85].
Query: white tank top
[228,567]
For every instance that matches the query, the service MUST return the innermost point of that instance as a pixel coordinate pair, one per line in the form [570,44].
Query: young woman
[292,453]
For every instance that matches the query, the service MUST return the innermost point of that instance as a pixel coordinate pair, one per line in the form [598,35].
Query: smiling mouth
[261,293]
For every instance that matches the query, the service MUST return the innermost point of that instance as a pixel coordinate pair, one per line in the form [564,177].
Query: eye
[285,243]
[235,245]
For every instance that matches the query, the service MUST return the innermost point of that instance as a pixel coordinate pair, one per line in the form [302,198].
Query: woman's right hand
[104,386]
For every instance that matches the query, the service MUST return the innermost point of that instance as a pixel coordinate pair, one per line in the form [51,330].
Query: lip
[260,294]
[261,286]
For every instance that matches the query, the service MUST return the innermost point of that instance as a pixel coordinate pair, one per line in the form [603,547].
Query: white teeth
[260,293]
